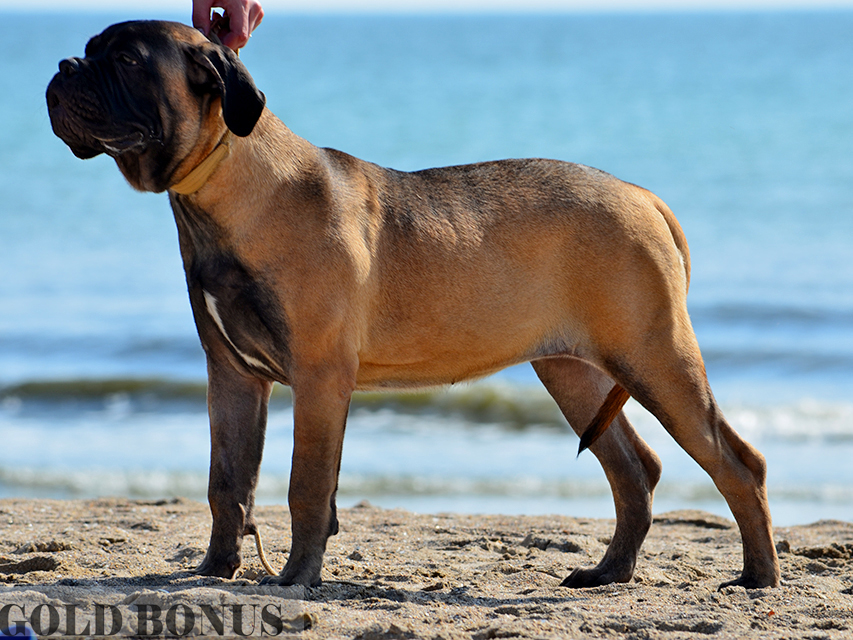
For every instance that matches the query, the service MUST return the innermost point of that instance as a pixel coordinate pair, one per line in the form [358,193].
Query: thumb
[201,16]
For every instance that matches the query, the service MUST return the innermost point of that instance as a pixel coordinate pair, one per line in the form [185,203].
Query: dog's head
[151,95]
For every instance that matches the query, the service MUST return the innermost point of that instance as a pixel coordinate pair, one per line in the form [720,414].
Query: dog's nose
[69,66]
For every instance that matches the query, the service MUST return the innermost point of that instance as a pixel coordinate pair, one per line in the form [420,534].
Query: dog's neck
[255,172]
[197,178]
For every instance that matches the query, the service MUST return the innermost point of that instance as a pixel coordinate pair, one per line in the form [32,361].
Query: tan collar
[196,178]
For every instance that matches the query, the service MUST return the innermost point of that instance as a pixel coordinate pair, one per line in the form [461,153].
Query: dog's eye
[126,59]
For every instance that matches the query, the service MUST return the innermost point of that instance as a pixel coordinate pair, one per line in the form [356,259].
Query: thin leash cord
[267,566]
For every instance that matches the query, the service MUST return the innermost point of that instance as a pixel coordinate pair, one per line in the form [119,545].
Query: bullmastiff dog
[314,269]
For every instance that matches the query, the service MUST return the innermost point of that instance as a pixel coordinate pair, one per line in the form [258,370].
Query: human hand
[243,17]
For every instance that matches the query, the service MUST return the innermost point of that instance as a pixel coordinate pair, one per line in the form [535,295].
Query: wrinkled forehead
[143,35]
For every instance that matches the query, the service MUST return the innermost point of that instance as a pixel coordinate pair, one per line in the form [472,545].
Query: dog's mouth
[80,121]
[116,146]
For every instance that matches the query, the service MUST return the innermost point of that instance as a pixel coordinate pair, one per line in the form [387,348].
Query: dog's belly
[375,376]
[422,358]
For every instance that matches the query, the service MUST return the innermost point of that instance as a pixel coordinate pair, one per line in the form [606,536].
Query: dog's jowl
[311,268]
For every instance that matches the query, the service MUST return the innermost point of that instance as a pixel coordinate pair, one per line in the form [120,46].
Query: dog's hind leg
[631,467]
[665,373]
[237,404]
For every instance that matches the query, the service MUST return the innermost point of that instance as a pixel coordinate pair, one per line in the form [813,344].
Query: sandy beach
[395,574]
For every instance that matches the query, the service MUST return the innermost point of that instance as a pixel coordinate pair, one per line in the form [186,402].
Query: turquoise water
[741,122]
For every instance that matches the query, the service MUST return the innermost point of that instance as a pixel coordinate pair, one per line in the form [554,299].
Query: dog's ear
[216,68]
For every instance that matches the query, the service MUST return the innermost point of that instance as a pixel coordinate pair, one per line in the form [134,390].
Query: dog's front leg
[237,404]
[320,403]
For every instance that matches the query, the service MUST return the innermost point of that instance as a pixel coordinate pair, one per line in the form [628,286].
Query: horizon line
[282,7]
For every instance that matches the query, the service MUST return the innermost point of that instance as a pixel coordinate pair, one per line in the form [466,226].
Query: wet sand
[394,574]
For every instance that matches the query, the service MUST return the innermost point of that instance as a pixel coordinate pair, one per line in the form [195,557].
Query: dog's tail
[611,407]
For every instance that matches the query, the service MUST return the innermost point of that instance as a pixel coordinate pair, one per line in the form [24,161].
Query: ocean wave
[510,405]
[763,315]
[95,389]
[800,421]
[497,403]
[88,482]
[493,402]
[271,488]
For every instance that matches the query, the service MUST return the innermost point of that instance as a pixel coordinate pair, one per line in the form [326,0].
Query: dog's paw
[304,570]
[219,566]
[284,581]
[595,577]
[752,582]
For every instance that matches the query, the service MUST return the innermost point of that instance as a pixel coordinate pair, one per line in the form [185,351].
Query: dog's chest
[244,315]
[237,325]
[233,307]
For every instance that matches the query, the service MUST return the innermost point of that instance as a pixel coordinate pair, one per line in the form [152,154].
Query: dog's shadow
[391,598]
[173,582]
[374,595]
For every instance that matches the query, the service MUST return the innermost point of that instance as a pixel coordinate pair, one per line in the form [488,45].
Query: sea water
[741,122]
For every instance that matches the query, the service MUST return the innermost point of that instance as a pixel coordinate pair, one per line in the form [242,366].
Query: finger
[201,15]
[256,15]
[233,40]
[238,24]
